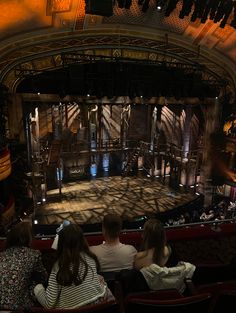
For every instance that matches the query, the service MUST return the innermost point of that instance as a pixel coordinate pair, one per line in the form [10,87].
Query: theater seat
[104,307]
[11,311]
[194,304]
[215,288]
[225,302]
[212,273]
[155,295]
[224,295]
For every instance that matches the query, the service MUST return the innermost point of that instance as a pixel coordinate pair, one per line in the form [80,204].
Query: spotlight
[160,4]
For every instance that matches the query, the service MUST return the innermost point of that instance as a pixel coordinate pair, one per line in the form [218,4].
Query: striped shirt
[57,296]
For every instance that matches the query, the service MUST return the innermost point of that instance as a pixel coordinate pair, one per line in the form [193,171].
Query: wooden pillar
[212,111]
[66,115]
[99,130]
[187,130]
[153,128]
[124,127]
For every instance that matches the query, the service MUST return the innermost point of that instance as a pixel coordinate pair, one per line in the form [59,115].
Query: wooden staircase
[133,157]
[54,153]
[53,163]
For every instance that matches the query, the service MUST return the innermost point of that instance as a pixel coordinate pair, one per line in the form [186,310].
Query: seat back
[215,288]
[11,311]
[224,295]
[212,273]
[165,294]
[224,302]
[103,307]
[192,304]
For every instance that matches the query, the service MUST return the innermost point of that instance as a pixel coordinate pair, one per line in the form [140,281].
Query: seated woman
[156,267]
[154,248]
[156,262]
[19,264]
[73,281]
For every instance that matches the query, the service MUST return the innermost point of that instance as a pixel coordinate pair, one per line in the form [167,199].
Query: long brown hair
[20,235]
[72,266]
[154,237]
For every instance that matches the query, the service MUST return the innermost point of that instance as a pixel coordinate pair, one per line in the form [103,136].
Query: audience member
[162,277]
[73,281]
[156,266]
[19,266]
[154,248]
[157,263]
[112,254]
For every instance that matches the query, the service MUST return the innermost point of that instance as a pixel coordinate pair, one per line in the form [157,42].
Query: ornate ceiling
[34,34]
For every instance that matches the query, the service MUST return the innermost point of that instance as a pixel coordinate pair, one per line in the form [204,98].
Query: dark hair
[72,266]
[112,225]
[154,236]
[20,235]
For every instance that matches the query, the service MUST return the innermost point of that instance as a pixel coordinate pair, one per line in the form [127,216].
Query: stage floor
[88,201]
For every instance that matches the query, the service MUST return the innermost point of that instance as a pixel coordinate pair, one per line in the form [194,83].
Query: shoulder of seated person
[167,250]
[141,254]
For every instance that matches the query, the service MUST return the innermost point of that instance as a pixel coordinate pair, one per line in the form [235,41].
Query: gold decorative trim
[58,6]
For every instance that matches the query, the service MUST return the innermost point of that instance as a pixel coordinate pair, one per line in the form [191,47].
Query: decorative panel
[58,6]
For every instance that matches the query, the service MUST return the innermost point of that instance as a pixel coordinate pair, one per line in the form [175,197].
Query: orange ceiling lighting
[15,13]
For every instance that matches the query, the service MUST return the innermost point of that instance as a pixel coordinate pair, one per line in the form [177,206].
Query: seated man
[112,254]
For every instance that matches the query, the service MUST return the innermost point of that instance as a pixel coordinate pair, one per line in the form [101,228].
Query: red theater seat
[104,307]
[194,304]
[224,296]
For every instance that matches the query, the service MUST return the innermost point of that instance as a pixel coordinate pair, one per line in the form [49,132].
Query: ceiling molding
[43,52]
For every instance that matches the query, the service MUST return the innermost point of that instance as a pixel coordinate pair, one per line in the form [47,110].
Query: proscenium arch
[44,52]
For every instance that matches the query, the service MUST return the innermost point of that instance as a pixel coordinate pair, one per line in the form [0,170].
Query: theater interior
[123,106]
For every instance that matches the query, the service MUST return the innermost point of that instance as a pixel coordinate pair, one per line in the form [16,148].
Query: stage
[85,202]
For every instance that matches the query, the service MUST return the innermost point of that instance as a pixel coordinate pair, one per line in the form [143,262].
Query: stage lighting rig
[233,22]
[128,4]
[145,5]
[170,7]
[186,8]
[121,4]
[227,11]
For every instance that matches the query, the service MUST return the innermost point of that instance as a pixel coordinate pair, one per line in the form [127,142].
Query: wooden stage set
[85,202]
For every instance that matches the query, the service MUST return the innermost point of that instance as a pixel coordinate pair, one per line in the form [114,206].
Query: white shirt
[114,257]
[158,277]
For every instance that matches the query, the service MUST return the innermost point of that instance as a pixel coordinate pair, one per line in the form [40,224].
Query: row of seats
[213,298]
[210,277]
